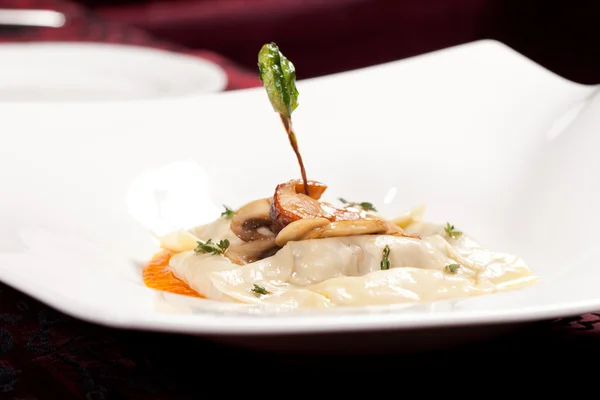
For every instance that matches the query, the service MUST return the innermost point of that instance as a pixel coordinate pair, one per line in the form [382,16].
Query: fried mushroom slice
[296,216]
[291,204]
[320,228]
[250,218]
[246,252]
[298,230]
[349,228]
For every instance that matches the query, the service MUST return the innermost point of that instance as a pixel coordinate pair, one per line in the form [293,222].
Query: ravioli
[346,271]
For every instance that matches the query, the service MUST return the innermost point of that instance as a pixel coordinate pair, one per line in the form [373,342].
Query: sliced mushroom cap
[349,228]
[292,216]
[250,218]
[291,204]
[320,228]
[298,229]
[246,252]
[315,189]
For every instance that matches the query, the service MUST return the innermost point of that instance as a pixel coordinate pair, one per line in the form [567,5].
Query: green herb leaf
[385,261]
[259,290]
[364,205]
[451,268]
[451,231]
[209,247]
[278,75]
[367,206]
[228,213]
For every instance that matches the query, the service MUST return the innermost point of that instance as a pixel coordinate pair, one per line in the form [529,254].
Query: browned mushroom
[291,216]
[250,218]
[247,222]
[349,228]
[291,204]
[298,230]
[296,216]
[246,252]
[320,228]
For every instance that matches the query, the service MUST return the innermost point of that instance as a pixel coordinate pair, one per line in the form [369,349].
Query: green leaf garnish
[385,261]
[278,76]
[451,268]
[209,247]
[451,231]
[228,213]
[364,205]
[259,290]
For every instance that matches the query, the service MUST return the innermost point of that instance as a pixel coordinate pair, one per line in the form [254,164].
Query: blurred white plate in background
[59,71]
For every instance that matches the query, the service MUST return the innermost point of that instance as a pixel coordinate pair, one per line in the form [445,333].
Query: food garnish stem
[287,124]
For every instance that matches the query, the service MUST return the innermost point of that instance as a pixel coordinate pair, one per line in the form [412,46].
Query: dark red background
[327,36]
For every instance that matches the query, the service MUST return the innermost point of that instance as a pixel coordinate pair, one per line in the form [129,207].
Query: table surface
[47,355]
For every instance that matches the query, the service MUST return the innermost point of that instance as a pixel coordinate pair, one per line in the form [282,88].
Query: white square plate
[483,136]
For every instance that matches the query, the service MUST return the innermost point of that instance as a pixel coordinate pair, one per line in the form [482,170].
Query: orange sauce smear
[157,275]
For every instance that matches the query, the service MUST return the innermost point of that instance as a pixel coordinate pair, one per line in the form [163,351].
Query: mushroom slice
[291,204]
[298,229]
[296,216]
[315,189]
[248,219]
[320,228]
[349,228]
[246,252]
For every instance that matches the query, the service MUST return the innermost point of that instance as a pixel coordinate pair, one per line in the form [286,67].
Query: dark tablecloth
[47,355]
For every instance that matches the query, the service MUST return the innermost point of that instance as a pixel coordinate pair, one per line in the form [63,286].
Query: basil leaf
[278,75]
